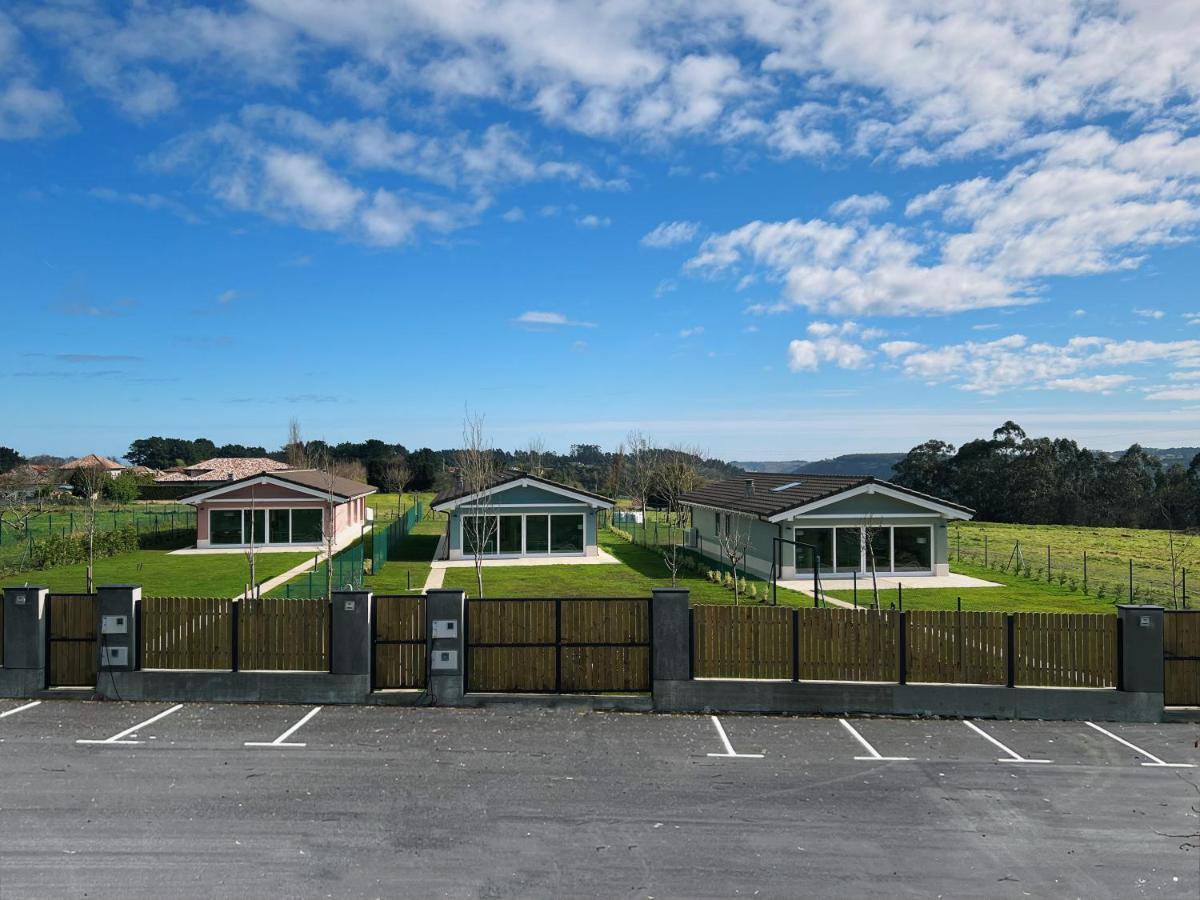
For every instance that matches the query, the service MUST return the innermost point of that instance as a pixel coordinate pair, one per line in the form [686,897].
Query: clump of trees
[1012,477]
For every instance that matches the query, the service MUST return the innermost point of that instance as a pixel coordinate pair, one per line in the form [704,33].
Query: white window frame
[266,511]
[524,551]
[863,567]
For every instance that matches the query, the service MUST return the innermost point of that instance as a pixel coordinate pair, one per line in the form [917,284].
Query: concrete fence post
[1140,654]
[117,612]
[351,644]
[24,641]
[670,640]
[445,617]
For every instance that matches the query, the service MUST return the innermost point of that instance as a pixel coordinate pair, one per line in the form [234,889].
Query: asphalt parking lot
[157,799]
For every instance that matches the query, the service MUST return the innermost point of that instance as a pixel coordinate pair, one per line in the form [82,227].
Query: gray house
[535,517]
[840,521]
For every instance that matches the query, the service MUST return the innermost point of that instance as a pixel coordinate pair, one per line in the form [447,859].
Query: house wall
[759,546]
[346,515]
[589,522]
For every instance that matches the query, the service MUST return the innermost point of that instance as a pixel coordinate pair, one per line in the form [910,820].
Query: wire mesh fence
[18,534]
[652,528]
[1100,573]
[347,575]
[385,542]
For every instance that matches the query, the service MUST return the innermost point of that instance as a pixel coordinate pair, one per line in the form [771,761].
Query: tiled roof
[93,461]
[341,488]
[223,468]
[505,477]
[774,493]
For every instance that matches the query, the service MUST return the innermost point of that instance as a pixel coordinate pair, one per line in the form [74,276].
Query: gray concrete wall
[234,687]
[975,701]
[446,687]
[25,628]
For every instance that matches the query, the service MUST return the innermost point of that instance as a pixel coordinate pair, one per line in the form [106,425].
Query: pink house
[294,508]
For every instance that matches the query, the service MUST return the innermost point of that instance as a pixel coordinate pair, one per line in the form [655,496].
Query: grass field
[641,569]
[410,562]
[163,575]
[1109,553]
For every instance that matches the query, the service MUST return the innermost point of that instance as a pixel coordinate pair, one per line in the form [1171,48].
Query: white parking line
[1158,763]
[874,753]
[1012,754]
[729,751]
[120,738]
[281,741]
[11,712]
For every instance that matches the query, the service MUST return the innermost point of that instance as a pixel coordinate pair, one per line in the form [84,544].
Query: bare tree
[323,465]
[295,449]
[250,546]
[534,451]
[616,477]
[734,539]
[676,474]
[89,481]
[477,471]
[867,538]
[640,467]
[349,468]
[396,476]
[1179,554]
[20,500]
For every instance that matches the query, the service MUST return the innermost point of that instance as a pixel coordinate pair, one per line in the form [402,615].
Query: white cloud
[807,355]
[694,331]
[549,319]
[27,111]
[515,214]
[860,205]
[593,221]
[1192,318]
[671,234]
[1185,394]
[1149,313]
[227,296]
[896,349]
[1090,384]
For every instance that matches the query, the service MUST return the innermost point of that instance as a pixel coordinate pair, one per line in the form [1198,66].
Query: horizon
[764,237]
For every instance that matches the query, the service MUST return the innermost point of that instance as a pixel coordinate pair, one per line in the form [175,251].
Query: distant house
[534,517]
[288,508]
[220,469]
[799,520]
[94,461]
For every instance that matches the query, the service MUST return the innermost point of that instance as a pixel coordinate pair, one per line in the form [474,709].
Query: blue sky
[771,230]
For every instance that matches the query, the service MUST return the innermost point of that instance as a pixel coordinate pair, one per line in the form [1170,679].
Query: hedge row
[72,549]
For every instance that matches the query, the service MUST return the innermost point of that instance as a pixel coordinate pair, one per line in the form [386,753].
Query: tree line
[1011,477]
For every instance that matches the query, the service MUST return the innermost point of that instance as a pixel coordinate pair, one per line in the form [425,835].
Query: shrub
[752,592]
[68,549]
[1100,591]
[727,580]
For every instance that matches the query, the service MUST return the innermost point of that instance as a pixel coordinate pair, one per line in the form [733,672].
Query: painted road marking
[1013,756]
[282,740]
[120,738]
[12,712]
[1158,763]
[729,751]
[874,753]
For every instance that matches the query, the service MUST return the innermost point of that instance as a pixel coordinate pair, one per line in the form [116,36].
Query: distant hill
[877,464]
[1171,455]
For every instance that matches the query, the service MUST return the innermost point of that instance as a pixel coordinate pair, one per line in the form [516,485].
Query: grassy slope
[163,575]
[641,569]
[413,557]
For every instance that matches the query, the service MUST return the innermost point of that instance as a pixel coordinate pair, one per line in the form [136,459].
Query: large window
[510,534]
[881,548]
[280,531]
[819,538]
[479,531]
[260,525]
[848,546]
[537,534]
[914,551]
[566,534]
[225,526]
[306,526]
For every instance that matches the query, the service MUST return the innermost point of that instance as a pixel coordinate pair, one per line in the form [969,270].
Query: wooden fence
[1181,657]
[399,642]
[284,634]
[1016,649]
[187,633]
[71,636]
[592,645]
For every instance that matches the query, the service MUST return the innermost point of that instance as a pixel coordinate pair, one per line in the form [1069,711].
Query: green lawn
[386,506]
[640,569]
[1018,594]
[163,575]
[411,562]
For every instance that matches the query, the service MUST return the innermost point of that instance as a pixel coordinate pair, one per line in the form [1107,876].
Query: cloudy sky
[773,229]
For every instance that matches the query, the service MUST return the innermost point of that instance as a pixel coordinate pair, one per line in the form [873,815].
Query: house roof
[512,477]
[93,461]
[776,493]
[223,468]
[317,482]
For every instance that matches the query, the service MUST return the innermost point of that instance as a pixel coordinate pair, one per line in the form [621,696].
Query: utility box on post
[25,627]
[1141,652]
[444,609]
[118,607]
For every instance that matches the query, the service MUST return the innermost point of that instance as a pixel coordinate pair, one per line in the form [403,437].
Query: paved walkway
[437,574]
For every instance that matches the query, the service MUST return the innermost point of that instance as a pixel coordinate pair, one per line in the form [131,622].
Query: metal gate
[585,644]
[1181,657]
[400,646]
[72,653]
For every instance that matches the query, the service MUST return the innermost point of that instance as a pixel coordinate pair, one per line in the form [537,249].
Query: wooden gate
[592,644]
[1181,657]
[400,648]
[72,650]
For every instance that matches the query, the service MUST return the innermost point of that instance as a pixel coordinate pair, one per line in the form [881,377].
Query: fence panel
[187,633]
[604,645]
[1181,658]
[284,634]
[947,647]
[400,642]
[1065,649]
[511,645]
[848,645]
[742,642]
[74,653]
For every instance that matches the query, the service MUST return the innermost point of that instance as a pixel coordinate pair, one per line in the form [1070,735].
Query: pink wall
[352,513]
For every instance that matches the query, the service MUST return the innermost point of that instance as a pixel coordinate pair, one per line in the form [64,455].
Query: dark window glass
[537,534]
[913,550]
[881,546]
[225,526]
[479,530]
[260,525]
[306,526]
[566,534]
[849,549]
[510,534]
[822,540]
[281,526]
